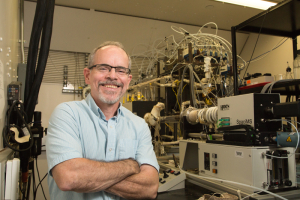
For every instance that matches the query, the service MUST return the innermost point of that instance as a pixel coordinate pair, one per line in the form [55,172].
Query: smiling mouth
[111,86]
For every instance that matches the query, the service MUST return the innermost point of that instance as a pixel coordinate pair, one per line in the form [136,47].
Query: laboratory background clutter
[217,82]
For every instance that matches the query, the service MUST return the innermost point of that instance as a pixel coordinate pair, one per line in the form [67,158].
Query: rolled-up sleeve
[145,153]
[63,138]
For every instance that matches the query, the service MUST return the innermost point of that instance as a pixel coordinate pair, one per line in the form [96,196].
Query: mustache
[110,83]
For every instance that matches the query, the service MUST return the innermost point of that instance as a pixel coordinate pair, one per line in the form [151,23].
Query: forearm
[138,186]
[84,175]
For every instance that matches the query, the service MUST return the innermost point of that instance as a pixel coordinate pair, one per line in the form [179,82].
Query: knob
[288,183]
[165,174]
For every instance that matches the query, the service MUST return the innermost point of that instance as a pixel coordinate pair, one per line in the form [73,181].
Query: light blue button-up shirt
[79,129]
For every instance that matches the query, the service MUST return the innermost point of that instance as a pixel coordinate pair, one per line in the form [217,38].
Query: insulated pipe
[152,118]
[195,84]
[169,143]
[185,103]
[163,85]
[147,82]
[193,116]
[203,116]
[171,118]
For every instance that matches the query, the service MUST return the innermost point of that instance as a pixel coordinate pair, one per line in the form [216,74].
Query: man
[97,149]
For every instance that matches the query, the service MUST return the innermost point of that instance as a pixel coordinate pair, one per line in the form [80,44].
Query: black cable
[23,192]
[39,19]
[255,44]
[6,129]
[34,87]
[42,180]
[33,183]
[270,50]
[37,169]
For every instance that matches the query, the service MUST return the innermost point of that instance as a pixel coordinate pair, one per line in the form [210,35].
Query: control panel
[171,180]
[14,91]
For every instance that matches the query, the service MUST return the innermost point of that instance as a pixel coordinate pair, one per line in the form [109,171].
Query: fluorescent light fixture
[259,4]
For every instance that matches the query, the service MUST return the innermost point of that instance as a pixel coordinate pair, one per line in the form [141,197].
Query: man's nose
[112,74]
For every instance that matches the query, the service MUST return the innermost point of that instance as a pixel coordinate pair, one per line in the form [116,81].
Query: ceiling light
[259,4]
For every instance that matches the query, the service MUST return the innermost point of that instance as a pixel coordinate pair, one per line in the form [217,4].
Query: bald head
[106,44]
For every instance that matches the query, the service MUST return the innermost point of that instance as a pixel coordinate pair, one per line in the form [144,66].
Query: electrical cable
[37,169]
[8,126]
[192,91]
[207,24]
[251,195]
[202,86]
[276,46]
[212,44]
[256,43]
[35,72]
[23,192]
[37,27]
[233,182]
[33,183]
[42,180]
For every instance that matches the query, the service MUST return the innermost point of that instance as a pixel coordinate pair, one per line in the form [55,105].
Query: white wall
[49,97]
[9,52]
[82,30]
[275,62]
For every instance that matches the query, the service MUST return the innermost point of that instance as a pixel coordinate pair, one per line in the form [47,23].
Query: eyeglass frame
[111,67]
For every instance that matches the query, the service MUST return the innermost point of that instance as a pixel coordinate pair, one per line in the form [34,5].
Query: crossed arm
[123,178]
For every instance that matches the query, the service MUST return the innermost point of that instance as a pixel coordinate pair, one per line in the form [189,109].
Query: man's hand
[135,165]
[84,175]
[143,185]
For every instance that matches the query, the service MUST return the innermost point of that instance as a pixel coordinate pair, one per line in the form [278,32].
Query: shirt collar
[98,112]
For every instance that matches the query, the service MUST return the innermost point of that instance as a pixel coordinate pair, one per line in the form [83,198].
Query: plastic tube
[233,182]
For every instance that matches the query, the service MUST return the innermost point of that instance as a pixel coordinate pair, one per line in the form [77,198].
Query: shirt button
[110,149]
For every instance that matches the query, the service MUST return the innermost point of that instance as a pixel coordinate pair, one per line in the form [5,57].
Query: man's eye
[121,70]
[102,68]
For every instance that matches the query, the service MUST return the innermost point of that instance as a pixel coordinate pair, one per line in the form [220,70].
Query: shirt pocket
[127,149]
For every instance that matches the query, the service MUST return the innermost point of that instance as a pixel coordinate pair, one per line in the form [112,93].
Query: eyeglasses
[105,68]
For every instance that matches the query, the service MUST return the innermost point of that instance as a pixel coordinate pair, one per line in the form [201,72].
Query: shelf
[283,88]
[280,20]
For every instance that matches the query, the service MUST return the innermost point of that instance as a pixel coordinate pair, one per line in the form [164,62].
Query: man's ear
[86,73]
[129,80]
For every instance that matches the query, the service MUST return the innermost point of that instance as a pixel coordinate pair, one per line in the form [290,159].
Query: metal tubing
[157,74]
[294,47]
[175,131]
[234,60]
[190,53]
[171,118]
